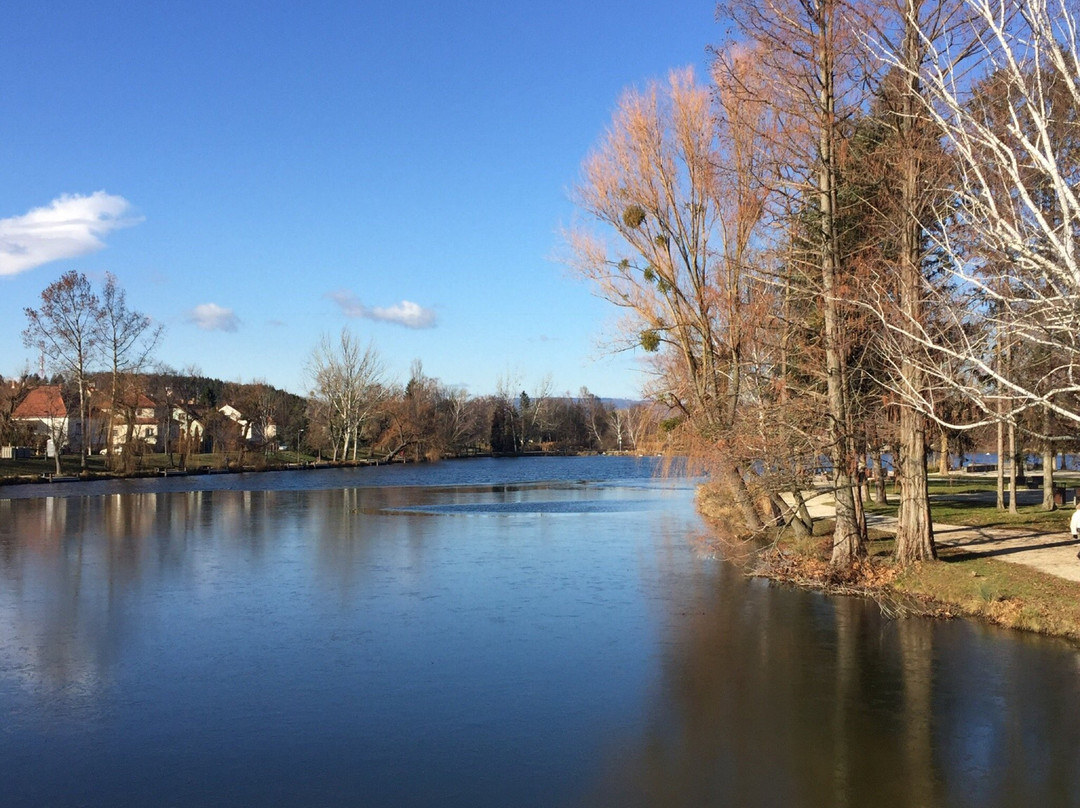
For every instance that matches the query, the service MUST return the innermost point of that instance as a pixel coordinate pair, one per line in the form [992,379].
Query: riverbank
[35,471]
[40,470]
[1019,576]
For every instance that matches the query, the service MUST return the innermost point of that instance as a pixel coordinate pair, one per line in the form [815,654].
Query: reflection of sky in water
[522,508]
[526,500]
[356,646]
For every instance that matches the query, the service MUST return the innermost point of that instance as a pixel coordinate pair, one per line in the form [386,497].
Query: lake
[513,632]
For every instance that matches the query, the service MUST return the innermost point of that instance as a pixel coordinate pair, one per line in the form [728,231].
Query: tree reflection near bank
[781,697]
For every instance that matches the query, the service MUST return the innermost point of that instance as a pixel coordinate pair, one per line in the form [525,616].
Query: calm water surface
[537,632]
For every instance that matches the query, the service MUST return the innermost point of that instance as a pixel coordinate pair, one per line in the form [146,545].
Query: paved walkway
[1051,552]
[1054,553]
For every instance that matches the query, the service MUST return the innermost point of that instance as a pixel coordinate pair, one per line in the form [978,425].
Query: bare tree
[617,420]
[640,424]
[907,168]
[595,416]
[684,232]
[1014,250]
[415,418]
[347,388]
[128,338]
[261,405]
[458,421]
[538,415]
[810,51]
[66,330]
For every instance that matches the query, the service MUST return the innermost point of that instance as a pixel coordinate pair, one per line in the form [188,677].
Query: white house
[186,424]
[143,414]
[249,430]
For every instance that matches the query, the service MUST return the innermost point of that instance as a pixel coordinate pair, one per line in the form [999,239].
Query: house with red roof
[44,412]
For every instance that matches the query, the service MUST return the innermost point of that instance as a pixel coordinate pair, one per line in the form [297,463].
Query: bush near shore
[956,585]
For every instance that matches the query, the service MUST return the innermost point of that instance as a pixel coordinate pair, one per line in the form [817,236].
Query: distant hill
[621,403]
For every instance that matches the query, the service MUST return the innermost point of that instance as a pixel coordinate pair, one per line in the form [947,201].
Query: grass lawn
[973,501]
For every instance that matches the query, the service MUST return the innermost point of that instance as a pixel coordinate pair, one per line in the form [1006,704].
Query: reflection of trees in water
[1009,716]
[51,604]
[788,698]
[766,696]
[77,573]
[347,523]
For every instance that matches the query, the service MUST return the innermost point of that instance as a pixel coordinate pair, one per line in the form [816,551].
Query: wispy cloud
[69,226]
[406,313]
[212,317]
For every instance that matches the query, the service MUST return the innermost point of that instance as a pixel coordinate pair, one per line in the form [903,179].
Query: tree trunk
[914,530]
[1000,465]
[789,516]
[858,486]
[735,486]
[1047,463]
[1012,467]
[1048,479]
[802,513]
[848,542]
[82,422]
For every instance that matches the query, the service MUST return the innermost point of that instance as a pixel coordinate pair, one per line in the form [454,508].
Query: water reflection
[787,698]
[539,644]
[69,565]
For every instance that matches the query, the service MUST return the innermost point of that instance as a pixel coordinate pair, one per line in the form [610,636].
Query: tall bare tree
[65,329]
[1017,208]
[128,339]
[907,200]
[810,50]
[684,231]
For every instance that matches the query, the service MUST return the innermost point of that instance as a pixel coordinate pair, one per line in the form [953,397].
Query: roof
[42,402]
[101,400]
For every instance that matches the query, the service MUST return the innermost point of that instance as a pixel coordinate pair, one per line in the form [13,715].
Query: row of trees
[355,410]
[370,416]
[864,223]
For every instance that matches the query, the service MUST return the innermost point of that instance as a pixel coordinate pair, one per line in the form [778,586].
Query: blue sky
[259,174]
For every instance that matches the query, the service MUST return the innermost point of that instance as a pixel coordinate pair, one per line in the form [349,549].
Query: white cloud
[406,313]
[69,226]
[212,317]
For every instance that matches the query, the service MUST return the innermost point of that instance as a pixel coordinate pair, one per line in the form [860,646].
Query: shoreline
[1036,590]
[68,476]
